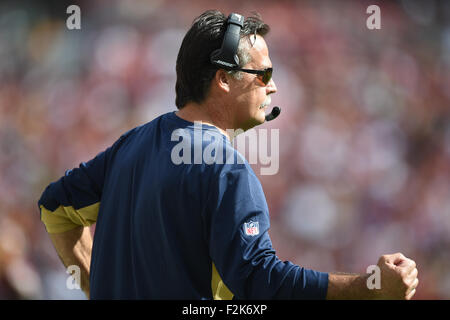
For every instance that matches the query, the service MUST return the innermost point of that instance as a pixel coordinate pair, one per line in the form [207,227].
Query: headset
[226,57]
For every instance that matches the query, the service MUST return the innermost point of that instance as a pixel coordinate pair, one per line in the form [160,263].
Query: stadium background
[364,132]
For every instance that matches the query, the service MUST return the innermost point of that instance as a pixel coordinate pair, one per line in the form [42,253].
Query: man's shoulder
[145,126]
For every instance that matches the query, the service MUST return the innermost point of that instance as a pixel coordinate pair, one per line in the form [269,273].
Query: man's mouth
[266,103]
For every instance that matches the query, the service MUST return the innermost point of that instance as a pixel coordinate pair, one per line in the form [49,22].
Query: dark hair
[194,69]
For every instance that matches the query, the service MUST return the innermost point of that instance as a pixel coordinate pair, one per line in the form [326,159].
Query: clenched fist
[398,277]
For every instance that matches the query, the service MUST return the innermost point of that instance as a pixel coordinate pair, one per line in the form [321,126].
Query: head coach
[195,230]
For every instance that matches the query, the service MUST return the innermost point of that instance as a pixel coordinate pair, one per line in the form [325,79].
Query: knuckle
[402,273]
[411,263]
[404,285]
[411,294]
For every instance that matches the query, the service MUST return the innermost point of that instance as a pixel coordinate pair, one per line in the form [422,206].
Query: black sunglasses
[264,75]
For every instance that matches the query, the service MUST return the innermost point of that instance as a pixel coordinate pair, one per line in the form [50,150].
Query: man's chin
[256,121]
[262,115]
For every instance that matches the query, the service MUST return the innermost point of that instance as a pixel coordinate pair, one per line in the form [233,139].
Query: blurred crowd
[364,131]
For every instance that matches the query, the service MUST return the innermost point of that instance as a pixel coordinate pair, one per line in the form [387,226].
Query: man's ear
[222,80]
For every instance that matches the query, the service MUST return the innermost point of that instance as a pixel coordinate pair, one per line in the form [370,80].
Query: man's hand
[398,281]
[398,277]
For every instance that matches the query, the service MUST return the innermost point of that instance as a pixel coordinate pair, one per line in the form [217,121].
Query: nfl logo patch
[251,228]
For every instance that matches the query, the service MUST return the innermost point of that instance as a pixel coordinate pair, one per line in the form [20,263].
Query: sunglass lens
[267,76]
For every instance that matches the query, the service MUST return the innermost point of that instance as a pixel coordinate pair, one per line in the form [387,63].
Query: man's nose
[271,87]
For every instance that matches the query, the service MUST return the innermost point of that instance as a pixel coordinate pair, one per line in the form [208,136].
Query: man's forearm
[74,247]
[349,287]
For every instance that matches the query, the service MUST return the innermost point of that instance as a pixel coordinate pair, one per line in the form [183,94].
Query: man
[194,229]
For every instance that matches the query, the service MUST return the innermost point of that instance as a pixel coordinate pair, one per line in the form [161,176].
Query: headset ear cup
[226,57]
[218,55]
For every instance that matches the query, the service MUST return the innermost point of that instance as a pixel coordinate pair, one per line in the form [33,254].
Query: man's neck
[206,114]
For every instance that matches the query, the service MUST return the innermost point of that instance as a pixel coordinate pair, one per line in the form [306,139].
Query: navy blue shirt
[179,214]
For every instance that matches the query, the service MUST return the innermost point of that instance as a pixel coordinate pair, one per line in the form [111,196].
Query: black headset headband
[226,57]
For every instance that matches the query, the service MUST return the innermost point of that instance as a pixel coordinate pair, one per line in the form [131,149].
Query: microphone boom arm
[275,113]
